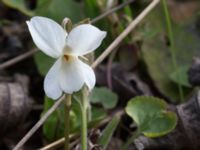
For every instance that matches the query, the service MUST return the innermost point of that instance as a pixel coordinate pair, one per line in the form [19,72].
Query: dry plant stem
[56,144]
[38,124]
[119,39]
[17,59]
[67,106]
[30,53]
[94,65]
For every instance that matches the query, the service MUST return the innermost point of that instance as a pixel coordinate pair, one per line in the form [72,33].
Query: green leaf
[19,5]
[180,76]
[104,96]
[43,62]
[151,116]
[108,132]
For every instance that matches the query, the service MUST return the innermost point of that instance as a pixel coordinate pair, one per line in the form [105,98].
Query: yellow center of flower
[66,57]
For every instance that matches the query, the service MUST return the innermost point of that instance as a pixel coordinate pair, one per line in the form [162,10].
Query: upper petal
[71,78]
[48,35]
[84,39]
[51,82]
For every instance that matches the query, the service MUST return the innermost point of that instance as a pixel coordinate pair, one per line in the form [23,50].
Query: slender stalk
[172,48]
[84,108]
[67,120]
[131,139]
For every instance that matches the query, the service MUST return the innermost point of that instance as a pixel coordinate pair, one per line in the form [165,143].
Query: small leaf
[181,76]
[108,132]
[104,96]
[151,116]
[19,5]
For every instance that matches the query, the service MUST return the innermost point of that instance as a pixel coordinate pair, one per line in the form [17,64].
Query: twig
[30,53]
[97,62]
[38,124]
[17,59]
[68,103]
[119,39]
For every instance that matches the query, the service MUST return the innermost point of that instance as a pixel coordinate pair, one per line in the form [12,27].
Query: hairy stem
[84,108]
[67,106]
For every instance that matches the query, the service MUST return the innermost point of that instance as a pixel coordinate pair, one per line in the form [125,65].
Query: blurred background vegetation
[141,65]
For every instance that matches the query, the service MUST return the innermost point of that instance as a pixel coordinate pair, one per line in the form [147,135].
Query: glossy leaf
[151,116]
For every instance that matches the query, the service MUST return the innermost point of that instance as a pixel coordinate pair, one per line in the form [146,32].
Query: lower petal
[71,77]
[51,82]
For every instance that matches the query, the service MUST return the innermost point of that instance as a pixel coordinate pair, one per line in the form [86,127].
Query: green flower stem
[84,119]
[67,105]
[172,48]
[131,139]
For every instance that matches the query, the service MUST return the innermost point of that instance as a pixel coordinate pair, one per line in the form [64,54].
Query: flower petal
[48,35]
[51,82]
[89,76]
[84,39]
[70,76]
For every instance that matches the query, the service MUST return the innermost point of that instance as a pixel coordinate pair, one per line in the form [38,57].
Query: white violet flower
[69,73]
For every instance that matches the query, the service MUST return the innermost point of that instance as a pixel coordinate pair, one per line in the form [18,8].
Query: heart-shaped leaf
[151,116]
[104,96]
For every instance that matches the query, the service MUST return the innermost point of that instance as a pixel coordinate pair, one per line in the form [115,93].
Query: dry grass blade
[112,46]
[38,124]
[30,53]
[17,59]
[119,39]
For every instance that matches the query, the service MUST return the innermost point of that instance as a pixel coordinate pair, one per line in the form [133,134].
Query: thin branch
[30,53]
[119,39]
[38,124]
[97,62]
[17,59]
